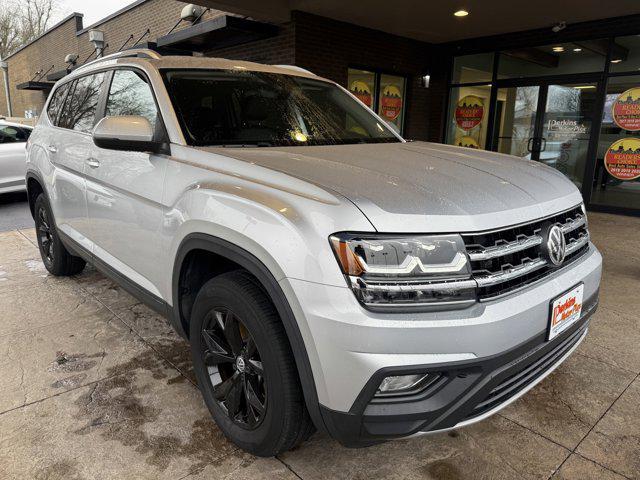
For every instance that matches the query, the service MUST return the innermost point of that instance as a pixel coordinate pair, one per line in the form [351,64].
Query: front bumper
[351,350]
[467,392]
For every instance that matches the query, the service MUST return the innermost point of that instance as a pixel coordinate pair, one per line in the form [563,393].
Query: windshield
[244,108]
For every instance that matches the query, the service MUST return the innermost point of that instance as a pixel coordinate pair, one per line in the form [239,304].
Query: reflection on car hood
[424,187]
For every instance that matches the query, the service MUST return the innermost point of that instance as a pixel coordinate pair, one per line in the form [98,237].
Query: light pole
[5,73]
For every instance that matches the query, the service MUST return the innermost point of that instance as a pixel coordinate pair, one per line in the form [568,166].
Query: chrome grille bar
[505,249]
[510,273]
[577,243]
[573,224]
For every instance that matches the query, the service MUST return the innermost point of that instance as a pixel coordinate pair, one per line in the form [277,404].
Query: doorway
[550,122]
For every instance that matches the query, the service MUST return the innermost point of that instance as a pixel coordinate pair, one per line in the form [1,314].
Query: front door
[124,191]
[550,123]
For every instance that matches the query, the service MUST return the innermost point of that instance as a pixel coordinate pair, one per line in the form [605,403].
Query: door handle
[529,145]
[543,144]
[52,149]
[93,163]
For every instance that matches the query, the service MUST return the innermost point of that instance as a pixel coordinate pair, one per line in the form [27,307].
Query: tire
[56,258]
[236,298]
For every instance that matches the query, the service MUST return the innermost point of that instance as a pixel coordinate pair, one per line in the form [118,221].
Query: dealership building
[556,82]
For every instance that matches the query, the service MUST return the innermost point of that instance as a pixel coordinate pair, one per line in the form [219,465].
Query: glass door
[550,123]
[515,120]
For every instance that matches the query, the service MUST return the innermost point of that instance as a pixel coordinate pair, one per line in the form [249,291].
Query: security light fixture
[558,49]
[425,80]
[577,49]
[461,13]
[97,38]
[616,60]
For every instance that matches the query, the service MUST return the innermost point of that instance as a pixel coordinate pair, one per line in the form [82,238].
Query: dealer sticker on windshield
[565,311]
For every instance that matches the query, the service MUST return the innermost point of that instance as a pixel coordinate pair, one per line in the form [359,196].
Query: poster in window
[469,112]
[391,103]
[622,159]
[362,85]
[626,110]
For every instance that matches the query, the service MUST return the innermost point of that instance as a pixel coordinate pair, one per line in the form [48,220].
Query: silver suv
[328,273]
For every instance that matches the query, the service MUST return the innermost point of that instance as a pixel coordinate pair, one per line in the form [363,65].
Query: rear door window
[130,94]
[57,99]
[79,111]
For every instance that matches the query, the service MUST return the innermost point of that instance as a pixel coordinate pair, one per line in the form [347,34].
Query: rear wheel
[56,258]
[245,367]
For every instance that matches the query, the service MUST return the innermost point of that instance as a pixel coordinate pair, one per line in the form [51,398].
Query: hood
[424,187]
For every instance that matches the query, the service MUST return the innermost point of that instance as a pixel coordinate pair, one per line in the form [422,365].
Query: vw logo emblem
[554,247]
[240,364]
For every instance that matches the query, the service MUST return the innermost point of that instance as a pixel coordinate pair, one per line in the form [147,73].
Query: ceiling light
[558,49]
[461,13]
[577,49]
[616,60]
[583,87]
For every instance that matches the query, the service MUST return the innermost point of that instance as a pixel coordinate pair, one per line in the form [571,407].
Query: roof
[173,61]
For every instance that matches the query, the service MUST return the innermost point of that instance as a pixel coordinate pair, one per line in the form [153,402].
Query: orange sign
[626,110]
[391,102]
[362,91]
[469,112]
[622,160]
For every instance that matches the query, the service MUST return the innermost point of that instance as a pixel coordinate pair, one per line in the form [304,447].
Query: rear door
[12,156]
[70,147]
[124,189]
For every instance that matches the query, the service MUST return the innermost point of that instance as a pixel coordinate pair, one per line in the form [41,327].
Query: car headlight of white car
[394,271]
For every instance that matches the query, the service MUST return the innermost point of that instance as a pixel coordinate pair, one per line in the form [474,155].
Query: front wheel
[245,367]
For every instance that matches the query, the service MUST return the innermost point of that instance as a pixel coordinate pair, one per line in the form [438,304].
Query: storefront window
[468,116]
[625,54]
[472,68]
[554,59]
[617,175]
[386,92]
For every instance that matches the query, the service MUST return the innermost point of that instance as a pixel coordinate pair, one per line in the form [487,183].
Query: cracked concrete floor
[93,385]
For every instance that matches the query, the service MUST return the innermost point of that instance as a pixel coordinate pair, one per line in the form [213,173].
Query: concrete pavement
[93,385]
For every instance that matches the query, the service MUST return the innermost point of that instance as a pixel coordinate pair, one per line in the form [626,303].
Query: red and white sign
[626,110]
[622,159]
[469,112]
[565,311]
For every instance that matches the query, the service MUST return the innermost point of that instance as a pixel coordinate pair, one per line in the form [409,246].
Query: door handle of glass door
[93,163]
[529,145]
[543,144]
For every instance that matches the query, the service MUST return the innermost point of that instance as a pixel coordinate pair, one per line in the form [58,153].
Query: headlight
[397,271]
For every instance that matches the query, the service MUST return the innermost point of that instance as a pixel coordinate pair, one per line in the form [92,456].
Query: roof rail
[133,52]
[296,68]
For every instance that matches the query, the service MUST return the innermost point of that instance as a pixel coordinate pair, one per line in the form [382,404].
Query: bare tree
[22,21]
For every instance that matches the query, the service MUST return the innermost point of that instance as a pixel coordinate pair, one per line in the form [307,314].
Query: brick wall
[67,37]
[48,50]
[328,48]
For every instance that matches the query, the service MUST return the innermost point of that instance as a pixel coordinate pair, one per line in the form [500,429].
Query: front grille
[507,259]
[526,374]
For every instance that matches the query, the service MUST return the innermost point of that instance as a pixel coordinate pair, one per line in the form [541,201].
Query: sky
[93,10]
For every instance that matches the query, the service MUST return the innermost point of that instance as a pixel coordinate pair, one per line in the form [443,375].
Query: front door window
[515,120]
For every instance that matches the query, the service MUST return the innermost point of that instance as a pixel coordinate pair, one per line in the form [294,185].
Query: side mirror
[131,133]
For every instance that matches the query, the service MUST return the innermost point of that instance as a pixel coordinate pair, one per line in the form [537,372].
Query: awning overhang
[35,85]
[220,32]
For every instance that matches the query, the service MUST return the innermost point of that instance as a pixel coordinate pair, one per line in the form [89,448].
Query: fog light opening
[405,384]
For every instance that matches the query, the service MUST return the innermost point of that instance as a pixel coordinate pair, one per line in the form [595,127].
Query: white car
[328,273]
[13,167]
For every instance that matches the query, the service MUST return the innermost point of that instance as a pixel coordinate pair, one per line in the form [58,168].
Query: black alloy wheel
[45,236]
[235,368]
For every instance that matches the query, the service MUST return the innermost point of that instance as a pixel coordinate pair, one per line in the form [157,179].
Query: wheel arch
[35,186]
[247,261]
